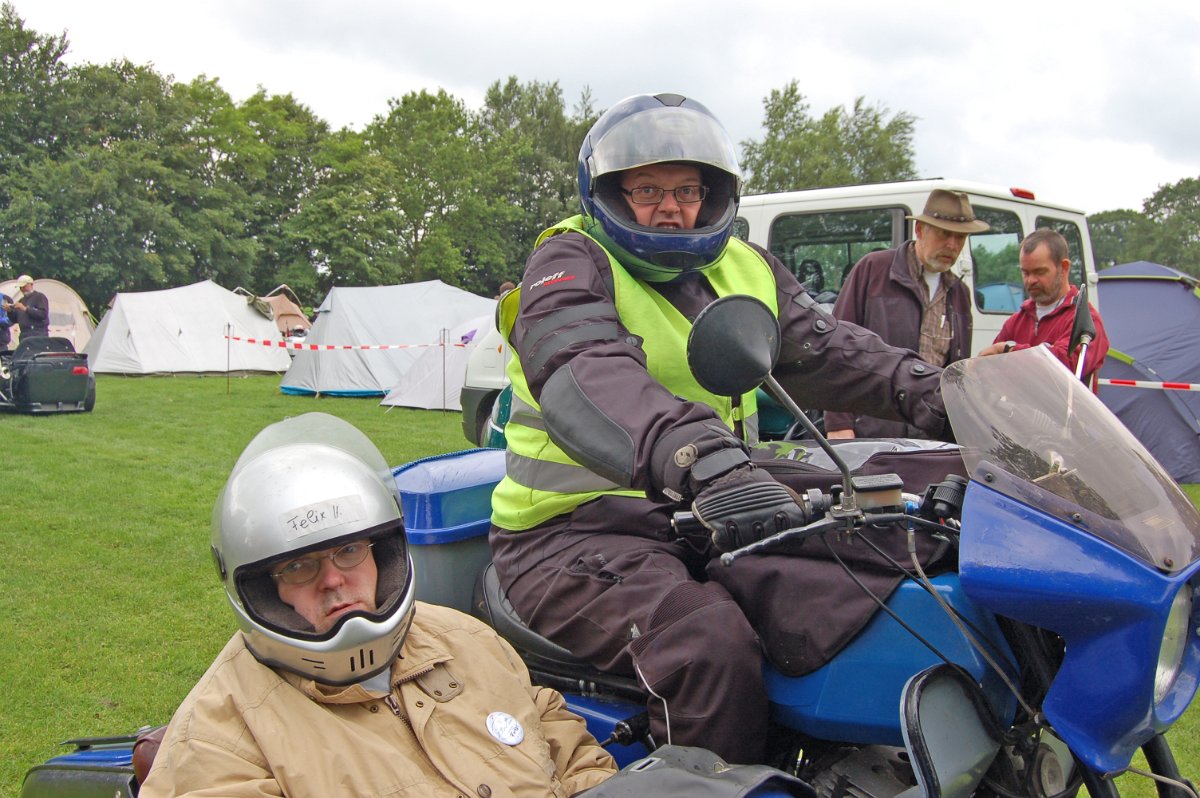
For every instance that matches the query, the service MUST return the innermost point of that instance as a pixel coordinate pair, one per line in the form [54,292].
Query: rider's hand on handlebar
[747,505]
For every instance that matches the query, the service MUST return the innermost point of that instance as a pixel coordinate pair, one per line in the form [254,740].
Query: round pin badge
[505,728]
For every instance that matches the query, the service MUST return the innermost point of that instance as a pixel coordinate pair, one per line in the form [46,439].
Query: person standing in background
[909,297]
[1048,316]
[31,310]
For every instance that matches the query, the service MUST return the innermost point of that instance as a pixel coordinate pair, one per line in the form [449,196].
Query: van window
[996,262]
[1069,231]
[821,248]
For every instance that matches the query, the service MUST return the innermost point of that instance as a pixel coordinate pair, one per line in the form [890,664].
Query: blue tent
[1152,316]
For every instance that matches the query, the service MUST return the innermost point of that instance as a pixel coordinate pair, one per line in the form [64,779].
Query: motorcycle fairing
[1109,606]
[1068,455]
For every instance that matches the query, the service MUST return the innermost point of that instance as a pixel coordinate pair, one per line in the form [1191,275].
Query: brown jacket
[882,296]
[249,730]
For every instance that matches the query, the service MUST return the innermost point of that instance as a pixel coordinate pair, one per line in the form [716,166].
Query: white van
[821,233]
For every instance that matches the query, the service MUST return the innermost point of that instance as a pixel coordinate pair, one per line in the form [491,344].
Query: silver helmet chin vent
[308,484]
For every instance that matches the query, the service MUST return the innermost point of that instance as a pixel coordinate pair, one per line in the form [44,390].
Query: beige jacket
[249,730]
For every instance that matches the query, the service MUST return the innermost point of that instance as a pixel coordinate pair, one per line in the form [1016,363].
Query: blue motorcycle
[1066,639]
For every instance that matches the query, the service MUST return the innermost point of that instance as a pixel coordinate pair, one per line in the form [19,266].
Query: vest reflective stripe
[751,425]
[561,478]
[564,477]
[525,414]
[541,481]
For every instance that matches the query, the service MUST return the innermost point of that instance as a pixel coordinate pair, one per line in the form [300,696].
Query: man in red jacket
[1048,316]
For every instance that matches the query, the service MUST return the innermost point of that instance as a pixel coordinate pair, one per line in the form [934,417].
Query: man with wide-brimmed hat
[910,298]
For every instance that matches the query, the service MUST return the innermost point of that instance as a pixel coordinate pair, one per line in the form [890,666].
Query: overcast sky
[1093,105]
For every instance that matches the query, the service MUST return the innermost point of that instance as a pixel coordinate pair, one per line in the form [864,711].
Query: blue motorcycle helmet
[652,129]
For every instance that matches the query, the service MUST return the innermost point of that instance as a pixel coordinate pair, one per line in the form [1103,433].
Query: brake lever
[805,532]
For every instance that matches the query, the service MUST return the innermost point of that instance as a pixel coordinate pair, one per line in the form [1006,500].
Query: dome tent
[1152,317]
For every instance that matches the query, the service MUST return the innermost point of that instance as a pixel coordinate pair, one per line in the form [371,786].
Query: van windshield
[821,248]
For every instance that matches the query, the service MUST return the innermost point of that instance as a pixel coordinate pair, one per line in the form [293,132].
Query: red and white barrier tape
[1161,386]
[326,347]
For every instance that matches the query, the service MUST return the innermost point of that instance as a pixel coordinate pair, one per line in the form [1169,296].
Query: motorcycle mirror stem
[731,350]
[1083,329]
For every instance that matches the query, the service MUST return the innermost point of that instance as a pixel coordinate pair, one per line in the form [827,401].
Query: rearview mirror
[733,345]
[732,349]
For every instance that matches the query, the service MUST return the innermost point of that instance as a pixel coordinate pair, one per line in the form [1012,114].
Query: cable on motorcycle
[970,638]
[883,605]
[911,575]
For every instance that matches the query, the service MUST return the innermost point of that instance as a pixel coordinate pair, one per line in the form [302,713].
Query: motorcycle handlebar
[684,522]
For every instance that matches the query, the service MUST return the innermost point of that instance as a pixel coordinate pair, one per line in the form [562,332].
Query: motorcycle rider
[610,434]
[338,681]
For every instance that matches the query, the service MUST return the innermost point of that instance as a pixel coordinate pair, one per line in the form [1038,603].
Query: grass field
[111,606]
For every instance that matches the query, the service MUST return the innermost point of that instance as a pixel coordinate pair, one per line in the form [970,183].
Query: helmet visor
[667,134]
[259,592]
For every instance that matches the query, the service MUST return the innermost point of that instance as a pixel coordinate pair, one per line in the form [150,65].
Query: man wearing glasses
[610,434]
[912,299]
[339,682]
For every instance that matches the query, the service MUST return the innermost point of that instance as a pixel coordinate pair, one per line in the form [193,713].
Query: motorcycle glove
[747,505]
[693,455]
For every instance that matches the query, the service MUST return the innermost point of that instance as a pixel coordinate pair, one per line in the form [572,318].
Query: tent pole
[444,335]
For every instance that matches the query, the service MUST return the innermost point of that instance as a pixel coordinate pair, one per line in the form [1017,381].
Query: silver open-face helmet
[307,484]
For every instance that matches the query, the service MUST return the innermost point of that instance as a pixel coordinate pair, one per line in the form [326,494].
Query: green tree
[1117,236]
[115,178]
[199,143]
[799,151]
[273,162]
[450,211]
[532,145]
[112,178]
[345,223]
[1174,212]
[31,76]
[90,212]
[138,198]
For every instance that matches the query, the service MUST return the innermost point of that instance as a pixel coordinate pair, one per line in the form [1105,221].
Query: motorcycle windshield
[1061,450]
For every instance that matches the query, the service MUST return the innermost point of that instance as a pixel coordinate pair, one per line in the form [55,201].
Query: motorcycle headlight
[1174,643]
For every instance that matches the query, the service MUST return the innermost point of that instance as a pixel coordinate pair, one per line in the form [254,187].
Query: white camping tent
[365,339]
[435,378]
[69,316]
[182,330]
